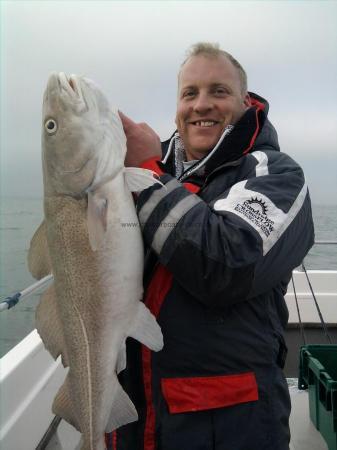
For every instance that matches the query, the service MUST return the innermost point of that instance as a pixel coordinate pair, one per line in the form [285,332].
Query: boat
[30,378]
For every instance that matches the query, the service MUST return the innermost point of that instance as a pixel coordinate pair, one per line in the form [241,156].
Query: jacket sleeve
[241,244]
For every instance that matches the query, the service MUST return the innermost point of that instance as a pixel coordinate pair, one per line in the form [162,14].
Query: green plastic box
[318,374]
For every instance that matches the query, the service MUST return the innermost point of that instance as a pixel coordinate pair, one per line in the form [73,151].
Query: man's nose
[203,103]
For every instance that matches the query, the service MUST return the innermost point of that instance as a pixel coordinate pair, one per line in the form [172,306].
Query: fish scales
[84,308]
[97,262]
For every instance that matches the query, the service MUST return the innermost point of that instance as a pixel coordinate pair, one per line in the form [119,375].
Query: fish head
[83,141]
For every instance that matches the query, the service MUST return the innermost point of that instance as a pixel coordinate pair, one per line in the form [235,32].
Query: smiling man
[211,96]
[223,236]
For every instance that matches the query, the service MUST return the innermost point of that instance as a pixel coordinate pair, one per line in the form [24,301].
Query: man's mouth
[204,123]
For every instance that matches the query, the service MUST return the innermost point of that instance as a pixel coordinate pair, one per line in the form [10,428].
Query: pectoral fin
[138,179]
[97,220]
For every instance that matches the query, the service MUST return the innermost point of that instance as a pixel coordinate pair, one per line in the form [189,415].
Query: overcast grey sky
[133,50]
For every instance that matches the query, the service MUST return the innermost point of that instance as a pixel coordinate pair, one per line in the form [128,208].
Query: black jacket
[220,261]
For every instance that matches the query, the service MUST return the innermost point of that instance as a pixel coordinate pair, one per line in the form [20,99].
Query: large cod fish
[94,303]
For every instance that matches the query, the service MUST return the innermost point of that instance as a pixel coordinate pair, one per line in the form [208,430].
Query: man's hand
[143,143]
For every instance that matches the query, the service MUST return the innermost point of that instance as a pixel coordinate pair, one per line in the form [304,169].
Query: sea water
[20,217]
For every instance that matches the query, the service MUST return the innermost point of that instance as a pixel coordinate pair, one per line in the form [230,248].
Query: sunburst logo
[258,205]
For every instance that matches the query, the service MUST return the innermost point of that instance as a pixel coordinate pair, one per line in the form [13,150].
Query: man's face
[209,98]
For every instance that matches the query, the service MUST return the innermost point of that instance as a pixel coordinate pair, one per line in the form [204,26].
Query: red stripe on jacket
[155,296]
[152,164]
[156,293]
[203,393]
[260,107]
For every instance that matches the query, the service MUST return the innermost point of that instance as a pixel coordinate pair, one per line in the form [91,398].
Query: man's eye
[189,94]
[221,91]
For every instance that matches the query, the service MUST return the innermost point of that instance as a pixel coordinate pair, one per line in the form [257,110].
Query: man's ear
[247,100]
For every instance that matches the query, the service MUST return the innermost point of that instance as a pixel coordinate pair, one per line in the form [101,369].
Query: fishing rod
[12,300]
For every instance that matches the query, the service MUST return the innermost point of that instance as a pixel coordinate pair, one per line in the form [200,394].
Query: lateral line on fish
[89,374]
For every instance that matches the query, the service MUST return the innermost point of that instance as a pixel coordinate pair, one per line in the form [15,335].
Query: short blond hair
[213,50]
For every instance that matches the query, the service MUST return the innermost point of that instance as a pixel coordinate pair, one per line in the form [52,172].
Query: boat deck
[304,435]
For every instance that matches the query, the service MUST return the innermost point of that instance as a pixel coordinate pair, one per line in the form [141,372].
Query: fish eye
[50,126]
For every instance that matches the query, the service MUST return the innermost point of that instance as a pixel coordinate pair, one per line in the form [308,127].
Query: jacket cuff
[160,208]
[152,164]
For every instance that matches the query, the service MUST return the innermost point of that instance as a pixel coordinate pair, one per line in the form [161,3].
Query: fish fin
[63,405]
[79,446]
[39,263]
[98,445]
[121,359]
[97,220]
[49,326]
[146,329]
[123,411]
[138,179]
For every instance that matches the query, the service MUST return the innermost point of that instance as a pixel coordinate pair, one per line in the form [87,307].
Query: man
[223,235]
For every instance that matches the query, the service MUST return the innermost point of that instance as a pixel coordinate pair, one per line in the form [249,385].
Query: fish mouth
[60,84]
[71,85]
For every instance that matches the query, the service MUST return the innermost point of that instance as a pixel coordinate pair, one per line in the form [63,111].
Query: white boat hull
[29,380]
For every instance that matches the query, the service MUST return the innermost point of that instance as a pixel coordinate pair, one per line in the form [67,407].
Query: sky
[133,50]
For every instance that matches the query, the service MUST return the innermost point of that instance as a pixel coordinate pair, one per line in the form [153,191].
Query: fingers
[145,127]
[131,127]
[126,121]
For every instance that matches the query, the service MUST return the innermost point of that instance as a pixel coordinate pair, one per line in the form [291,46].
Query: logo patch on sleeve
[260,212]
[255,210]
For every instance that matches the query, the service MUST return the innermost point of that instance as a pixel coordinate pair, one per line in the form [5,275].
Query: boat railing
[10,301]
[318,309]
